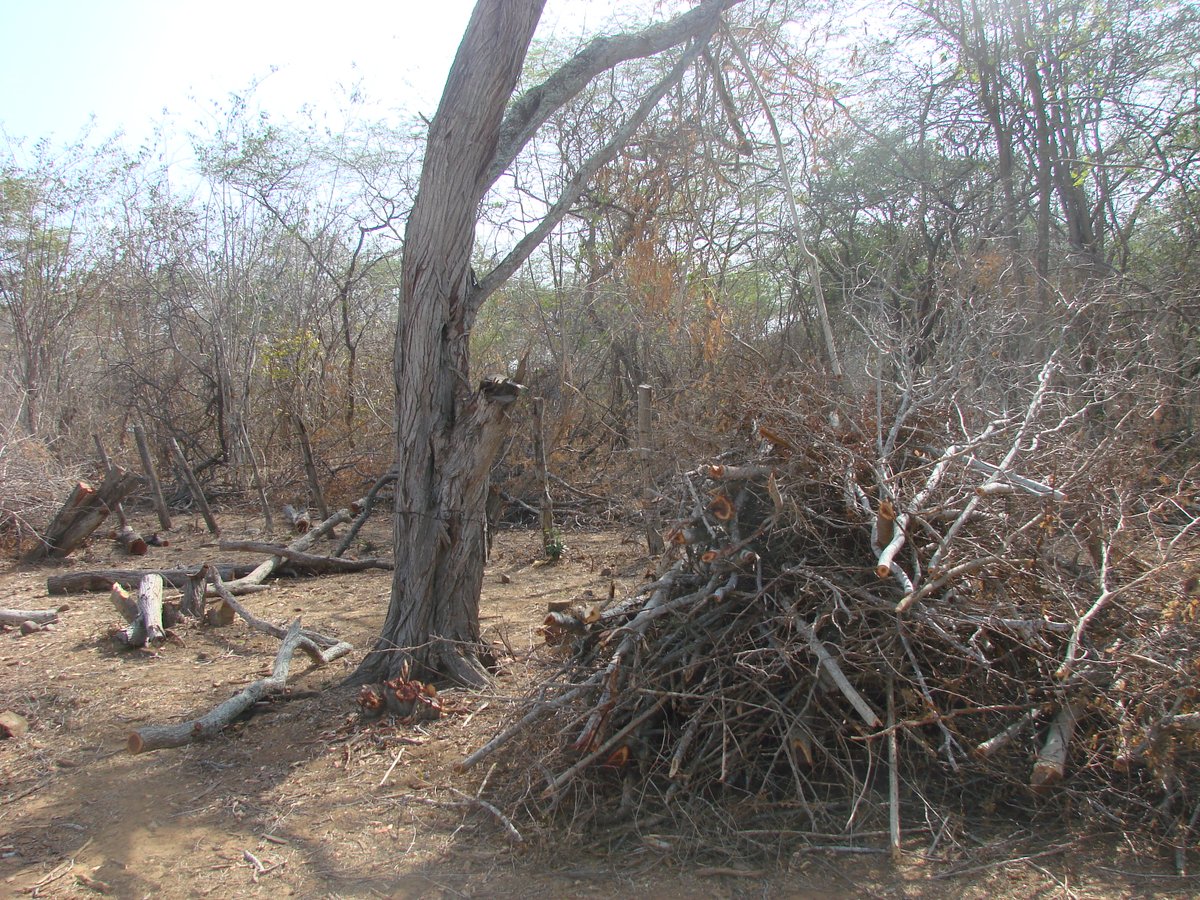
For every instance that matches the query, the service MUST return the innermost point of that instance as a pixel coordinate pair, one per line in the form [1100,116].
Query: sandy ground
[303,799]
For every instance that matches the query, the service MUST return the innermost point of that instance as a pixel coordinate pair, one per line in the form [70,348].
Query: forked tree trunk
[447,434]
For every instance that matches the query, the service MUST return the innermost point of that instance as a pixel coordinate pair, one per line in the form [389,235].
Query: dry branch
[309,563]
[327,648]
[160,505]
[194,487]
[362,510]
[157,737]
[268,567]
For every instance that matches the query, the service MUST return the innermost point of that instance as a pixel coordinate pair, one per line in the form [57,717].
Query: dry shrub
[33,484]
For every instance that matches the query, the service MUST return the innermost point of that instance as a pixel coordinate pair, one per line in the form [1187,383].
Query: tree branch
[579,182]
[533,108]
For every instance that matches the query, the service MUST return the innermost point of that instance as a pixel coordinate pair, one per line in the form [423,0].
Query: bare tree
[447,433]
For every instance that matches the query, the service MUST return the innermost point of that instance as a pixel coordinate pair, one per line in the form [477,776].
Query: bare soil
[304,799]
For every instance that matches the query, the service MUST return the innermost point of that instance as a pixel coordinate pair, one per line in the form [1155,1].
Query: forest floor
[304,799]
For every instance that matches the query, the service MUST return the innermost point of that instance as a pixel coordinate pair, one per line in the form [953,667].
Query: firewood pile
[869,627]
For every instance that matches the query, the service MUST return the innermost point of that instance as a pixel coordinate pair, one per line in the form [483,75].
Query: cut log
[298,520]
[132,542]
[150,607]
[103,579]
[124,603]
[13,725]
[84,511]
[1051,764]
[17,616]
[146,626]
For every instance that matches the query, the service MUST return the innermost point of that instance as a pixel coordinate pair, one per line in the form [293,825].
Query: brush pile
[873,625]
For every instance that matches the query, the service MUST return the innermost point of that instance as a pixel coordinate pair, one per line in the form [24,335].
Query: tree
[50,217]
[447,433]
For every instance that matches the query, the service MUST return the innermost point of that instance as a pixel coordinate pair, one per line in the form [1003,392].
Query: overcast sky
[130,62]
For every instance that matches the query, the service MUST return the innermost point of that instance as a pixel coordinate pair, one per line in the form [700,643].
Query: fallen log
[298,519]
[268,566]
[131,542]
[332,647]
[317,565]
[82,514]
[39,616]
[97,580]
[212,723]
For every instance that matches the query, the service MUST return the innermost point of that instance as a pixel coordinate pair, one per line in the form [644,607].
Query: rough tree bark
[447,433]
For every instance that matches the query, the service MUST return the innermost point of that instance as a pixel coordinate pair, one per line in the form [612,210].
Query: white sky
[131,62]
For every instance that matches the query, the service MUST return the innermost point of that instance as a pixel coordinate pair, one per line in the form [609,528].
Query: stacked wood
[84,512]
[846,596]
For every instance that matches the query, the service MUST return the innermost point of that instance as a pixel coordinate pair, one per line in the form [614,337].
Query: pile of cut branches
[878,623]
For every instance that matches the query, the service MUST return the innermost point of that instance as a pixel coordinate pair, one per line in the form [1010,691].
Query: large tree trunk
[447,435]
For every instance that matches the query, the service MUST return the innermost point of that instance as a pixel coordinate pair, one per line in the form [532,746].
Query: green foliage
[554,545]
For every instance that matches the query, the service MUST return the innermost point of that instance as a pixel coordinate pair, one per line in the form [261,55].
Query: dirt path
[301,801]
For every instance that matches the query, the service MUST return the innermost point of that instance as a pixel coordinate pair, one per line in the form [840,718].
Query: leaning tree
[448,431]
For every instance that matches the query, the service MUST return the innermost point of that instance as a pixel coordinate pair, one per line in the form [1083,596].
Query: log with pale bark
[212,723]
[299,521]
[146,625]
[37,616]
[309,563]
[131,541]
[269,566]
[84,512]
